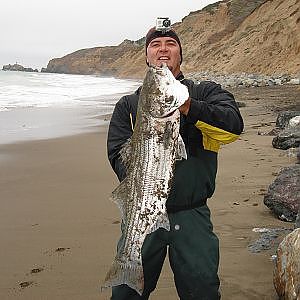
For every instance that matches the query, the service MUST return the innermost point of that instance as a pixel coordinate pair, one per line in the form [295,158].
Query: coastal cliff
[230,36]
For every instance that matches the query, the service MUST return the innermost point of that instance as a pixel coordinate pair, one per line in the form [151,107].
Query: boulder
[283,194]
[286,276]
[284,117]
[288,138]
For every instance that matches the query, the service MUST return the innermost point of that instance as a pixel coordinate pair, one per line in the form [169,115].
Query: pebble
[36,270]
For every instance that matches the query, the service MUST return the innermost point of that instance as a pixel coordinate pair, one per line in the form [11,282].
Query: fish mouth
[161,115]
[169,92]
[169,114]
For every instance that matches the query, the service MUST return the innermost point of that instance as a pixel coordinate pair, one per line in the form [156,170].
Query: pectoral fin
[126,154]
[120,196]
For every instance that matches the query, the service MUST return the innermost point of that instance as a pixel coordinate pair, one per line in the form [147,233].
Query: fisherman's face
[164,50]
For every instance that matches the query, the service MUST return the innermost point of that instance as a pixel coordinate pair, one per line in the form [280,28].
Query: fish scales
[149,157]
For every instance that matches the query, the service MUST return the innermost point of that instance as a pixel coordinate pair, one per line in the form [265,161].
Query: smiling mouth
[163,58]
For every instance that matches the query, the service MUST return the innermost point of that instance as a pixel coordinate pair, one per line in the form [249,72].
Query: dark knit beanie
[153,34]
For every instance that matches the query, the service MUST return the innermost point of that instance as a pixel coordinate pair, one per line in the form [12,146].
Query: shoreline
[33,124]
[59,228]
[44,106]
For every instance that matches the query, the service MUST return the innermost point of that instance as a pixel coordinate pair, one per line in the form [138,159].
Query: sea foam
[20,90]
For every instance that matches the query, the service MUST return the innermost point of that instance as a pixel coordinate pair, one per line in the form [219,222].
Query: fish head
[161,93]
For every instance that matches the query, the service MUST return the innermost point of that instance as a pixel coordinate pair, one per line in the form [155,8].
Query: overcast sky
[34,31]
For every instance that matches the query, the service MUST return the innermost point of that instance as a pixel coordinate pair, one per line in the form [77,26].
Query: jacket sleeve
[120,130]
[214,111]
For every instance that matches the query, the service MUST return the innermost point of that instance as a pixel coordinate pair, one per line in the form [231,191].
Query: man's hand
[185,107]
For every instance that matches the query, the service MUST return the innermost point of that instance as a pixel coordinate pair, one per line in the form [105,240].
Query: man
[209,118]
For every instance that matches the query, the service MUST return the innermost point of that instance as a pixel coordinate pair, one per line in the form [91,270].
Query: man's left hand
[185,107]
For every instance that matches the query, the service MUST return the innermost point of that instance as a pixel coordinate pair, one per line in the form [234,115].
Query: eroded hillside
[234,36]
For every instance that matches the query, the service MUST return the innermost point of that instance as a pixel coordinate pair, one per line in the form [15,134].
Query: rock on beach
[283,194]
[284,117]
[244,79]
[288,138]
[289,135]
[286,276]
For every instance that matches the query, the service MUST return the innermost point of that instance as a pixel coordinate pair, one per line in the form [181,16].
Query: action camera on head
[163,24]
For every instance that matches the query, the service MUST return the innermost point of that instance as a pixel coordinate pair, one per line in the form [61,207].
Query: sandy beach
[59,229]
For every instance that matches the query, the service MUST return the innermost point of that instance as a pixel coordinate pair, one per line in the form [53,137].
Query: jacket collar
[180,76]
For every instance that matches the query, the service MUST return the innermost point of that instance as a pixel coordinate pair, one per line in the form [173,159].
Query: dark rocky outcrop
[283,194]
[17,67]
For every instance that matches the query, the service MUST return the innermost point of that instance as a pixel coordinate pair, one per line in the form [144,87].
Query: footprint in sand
[62,249]
[36,270]
[25,284]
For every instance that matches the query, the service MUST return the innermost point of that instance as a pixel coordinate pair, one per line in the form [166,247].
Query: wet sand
[59,229]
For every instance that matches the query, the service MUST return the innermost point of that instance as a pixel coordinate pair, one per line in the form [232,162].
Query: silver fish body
[149,157]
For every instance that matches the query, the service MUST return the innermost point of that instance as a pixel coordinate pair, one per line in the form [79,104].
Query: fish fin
[124,273]
[162,222]
[126,154]
[119,196]
[181,151]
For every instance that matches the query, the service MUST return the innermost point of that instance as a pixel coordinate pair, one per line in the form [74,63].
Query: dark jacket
[213,119]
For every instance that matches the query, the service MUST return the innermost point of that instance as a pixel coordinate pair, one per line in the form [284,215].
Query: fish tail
[124,273]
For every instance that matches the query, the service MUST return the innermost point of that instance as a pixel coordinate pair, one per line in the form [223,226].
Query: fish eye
[170,99]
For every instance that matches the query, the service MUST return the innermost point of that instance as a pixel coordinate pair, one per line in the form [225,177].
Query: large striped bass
[149,157]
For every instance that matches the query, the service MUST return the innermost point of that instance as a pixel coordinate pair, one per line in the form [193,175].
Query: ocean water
[44,105]
[21,89]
